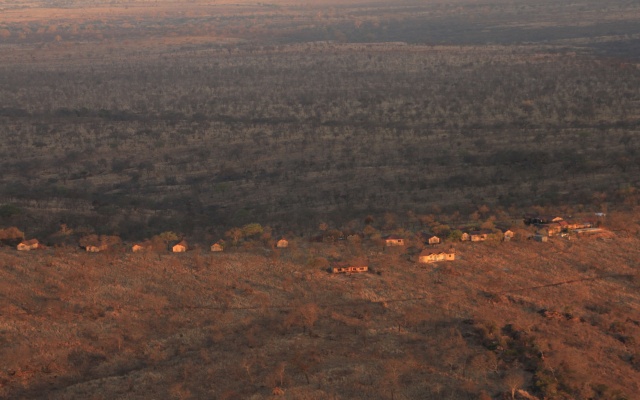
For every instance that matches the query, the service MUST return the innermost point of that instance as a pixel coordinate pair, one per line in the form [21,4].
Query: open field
[239,324]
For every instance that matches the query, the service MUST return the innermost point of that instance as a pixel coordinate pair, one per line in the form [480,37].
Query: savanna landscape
[334,124]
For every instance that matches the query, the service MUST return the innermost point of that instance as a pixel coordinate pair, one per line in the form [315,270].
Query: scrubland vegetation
[134,120]
[241,323]
[139,136]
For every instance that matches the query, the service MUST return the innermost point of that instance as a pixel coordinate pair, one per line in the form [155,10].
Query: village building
[541,238]
[95,248]
[95,244]
[593,231]
[480,236]
[27,245]
[393,240]
[217,247]
[573,225]
[349,269]
[429,238]
[144,246]
[552,228]
[180,247]
[282,243]
[544,232]
[508,235]
[549,230]
[465,237]
[431,257]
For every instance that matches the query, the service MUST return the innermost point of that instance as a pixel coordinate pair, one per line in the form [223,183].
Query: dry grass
[201,325]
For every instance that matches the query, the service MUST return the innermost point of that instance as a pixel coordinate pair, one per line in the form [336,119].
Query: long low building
[589,230]
[431,257]
[349,269]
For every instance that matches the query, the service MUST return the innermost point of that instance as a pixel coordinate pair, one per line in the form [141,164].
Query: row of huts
[547,226]
[180,247]
[183,246]
[433,240]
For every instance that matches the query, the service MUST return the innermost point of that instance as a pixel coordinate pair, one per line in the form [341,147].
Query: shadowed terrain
[152,116]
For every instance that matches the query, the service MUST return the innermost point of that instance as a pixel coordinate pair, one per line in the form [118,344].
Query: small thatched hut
[27,245]
[217,247]
[180,247]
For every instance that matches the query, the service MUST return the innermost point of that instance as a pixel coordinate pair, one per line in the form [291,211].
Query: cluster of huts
[549,225]
[182,246]
[431,256]
[432,240]
[425,256]
[546,226]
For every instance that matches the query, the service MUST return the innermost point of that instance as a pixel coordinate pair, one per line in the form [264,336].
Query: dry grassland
[236,325]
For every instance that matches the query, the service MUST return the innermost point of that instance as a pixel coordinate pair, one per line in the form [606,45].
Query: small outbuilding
[95,248]
[540,238]
[217,247]
[180,247]
[593,231]
[144,246]
[427,257]
[434,240]
[465,237]
[480,236]
[96,243]
[552,228]
[548,230]
[393,240]
[573,225]
[349,269]
[27,245]
[508,235]
[282,243]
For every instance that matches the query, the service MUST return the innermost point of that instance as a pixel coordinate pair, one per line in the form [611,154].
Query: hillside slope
[558,319]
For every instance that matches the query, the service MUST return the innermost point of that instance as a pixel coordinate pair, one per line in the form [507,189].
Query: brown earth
[559,320]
